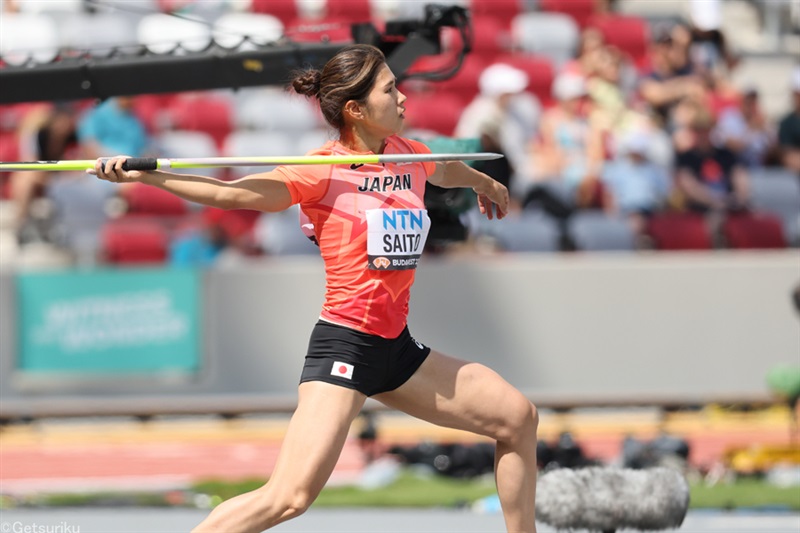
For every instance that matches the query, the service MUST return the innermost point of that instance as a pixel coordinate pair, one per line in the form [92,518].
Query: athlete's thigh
[316,435]
[459,394]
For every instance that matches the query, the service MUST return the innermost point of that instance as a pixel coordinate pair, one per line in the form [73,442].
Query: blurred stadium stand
[537,37]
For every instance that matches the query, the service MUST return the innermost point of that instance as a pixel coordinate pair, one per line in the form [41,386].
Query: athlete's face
[384,109]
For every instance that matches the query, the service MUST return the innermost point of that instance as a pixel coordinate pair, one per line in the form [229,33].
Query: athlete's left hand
[492,193]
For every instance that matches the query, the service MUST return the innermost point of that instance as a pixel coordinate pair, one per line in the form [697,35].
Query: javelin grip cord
[138,163]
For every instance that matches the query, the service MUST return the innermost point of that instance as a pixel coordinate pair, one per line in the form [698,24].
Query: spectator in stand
[745,131]
[46,134]
[80,203]
[789,129]
[198,246]
[710,178]
[709,51]
[568,155]
[610,111]
[667,83]
[586,59]
[112,128]
[505,117]
[637,187]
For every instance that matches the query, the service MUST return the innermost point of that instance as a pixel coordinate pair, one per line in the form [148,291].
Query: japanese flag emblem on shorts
[343,370]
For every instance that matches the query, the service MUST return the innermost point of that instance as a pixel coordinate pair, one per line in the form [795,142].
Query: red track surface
[162,455]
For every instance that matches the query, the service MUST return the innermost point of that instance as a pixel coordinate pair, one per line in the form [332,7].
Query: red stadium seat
[206,113]
[753,231]
[629,34]
[502,10]
[9,151]
[134,240]
[464,85]
[285,10]
[9,146]
[677,231]
[490,36]
[350,10]
[580,10]
[237,224]
[329,30]
[439,113]
[11,115]
[151,201]
[152,110]
[540,72]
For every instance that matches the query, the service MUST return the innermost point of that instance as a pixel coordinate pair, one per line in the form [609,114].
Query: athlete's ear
[354,109]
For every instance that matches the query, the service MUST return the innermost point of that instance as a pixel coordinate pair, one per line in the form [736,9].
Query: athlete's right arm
[261,192]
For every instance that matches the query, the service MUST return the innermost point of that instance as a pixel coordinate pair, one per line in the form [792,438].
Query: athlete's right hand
[492,196]
[110,169]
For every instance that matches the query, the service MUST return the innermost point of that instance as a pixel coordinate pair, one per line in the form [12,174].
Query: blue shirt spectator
[637,184]
[112,129]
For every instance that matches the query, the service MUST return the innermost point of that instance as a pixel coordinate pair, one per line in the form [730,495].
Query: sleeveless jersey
[370,224]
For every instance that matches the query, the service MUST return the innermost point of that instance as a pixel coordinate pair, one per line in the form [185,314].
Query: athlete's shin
[516,472]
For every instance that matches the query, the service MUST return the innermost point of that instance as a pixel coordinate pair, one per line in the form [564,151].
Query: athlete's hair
[349,75]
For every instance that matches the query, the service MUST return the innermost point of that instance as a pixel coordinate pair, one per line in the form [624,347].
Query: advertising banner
[109,322]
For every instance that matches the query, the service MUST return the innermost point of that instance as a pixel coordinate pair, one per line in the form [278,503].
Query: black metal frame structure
[79,75]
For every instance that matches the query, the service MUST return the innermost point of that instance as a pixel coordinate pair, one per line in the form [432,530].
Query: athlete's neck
[353,140]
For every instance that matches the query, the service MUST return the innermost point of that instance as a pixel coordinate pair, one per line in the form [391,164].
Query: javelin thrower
[370,222]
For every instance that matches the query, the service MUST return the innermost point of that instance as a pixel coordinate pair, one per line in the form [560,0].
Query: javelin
[152,163]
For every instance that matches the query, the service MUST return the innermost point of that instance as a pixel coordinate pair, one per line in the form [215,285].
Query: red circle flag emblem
[342,370]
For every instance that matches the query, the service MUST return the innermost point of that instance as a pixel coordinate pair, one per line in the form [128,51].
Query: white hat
[706,15]
[501,78]
[635,142]
[568,86]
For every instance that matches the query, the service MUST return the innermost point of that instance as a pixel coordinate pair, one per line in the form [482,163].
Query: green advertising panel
[109,321]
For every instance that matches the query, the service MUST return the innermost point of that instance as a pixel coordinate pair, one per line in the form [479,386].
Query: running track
[102,455]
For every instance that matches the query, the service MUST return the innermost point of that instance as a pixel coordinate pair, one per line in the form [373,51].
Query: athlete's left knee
[521,420]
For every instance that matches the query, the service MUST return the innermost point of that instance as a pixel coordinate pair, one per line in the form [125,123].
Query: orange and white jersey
[370,223]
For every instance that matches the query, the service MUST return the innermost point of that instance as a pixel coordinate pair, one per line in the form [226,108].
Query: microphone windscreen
[607,499]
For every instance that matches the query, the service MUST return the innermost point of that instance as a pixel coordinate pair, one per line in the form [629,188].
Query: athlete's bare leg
[469,396]
[309,452]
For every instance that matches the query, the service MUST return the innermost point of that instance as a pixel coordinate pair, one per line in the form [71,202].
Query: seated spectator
[709,51]
[745,131]
[789,129]
[586,59]
[710,178]
[198,247]
[610,111]
[637,187]
[80,202]
[46,134]
[505,118]
[569,153]
[667,83]
[112,128]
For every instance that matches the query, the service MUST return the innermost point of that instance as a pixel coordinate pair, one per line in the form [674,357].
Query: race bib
[396,237]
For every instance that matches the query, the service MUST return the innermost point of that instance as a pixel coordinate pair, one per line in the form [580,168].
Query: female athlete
[370,223]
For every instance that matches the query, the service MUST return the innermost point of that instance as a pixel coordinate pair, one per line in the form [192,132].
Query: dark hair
[349,75]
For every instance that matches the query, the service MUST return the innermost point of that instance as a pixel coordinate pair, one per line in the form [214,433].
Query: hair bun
[307,82]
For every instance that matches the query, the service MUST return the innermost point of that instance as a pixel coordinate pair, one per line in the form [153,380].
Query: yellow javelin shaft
[151,163]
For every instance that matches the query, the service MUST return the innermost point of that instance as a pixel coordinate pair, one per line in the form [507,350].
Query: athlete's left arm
[451,174]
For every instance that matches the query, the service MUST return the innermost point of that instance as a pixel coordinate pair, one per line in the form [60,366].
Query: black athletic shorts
[367,363]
